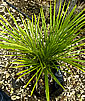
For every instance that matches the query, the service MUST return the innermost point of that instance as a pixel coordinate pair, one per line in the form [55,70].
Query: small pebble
[13,97]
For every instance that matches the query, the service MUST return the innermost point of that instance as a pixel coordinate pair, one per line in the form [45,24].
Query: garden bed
[74,83]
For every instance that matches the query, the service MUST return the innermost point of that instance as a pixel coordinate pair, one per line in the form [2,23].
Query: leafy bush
[39,47]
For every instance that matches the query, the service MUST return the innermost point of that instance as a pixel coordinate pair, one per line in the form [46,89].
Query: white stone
[83,96]
[3,76]
[17,97]
[76,76]
[13,97]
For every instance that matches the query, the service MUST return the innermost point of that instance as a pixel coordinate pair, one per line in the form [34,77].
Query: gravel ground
[74,83]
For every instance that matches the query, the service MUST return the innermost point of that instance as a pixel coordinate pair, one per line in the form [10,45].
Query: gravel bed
[74,83]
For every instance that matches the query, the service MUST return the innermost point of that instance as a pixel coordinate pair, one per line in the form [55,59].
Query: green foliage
[41,46]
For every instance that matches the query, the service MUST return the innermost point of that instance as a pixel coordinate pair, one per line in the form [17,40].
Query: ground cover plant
[39,47]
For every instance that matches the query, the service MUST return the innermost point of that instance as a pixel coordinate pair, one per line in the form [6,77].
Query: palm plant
[38,47]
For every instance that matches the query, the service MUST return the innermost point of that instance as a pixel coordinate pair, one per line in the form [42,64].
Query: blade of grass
[47,85]
[36,81]
[53,76]
[32,77]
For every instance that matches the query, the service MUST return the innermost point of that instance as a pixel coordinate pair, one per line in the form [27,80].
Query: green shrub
[40,46]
